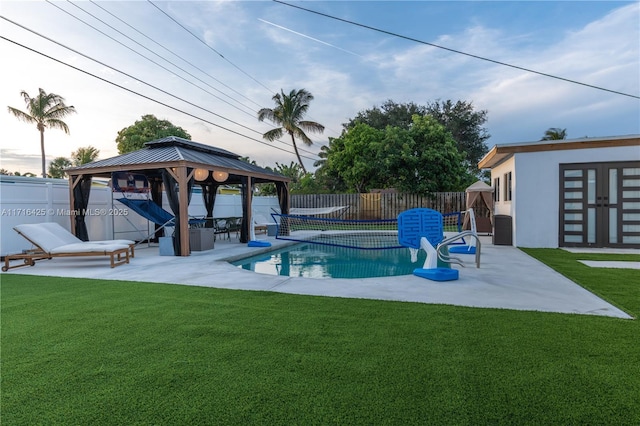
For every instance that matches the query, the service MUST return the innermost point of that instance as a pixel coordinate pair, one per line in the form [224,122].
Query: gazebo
[176,164]
[480,198]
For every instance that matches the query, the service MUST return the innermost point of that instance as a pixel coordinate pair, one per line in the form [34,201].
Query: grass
[77,351]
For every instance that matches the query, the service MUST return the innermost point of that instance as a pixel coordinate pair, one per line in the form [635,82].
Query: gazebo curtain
[80,203]
[282,189]
[209,191]
[172,190]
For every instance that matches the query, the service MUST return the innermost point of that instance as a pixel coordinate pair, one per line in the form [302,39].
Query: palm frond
[21,115]
[266,114]
[273,134]
[311,126]
[300,134]
[53,123]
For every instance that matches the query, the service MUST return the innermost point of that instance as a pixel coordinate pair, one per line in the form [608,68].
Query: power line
[139,54]
[214,50]
[454,51]
[142,95]
[126,74]
[176,55]
[150,60]
[161,57]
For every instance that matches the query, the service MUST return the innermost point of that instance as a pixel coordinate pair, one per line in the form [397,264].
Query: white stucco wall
[535,204]
[537,199]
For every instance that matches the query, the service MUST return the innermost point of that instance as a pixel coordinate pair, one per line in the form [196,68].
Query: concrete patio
[507,279]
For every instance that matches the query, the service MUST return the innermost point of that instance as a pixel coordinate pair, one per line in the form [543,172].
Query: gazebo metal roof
[163,152]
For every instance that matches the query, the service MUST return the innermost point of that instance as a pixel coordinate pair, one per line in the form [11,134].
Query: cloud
[521,105]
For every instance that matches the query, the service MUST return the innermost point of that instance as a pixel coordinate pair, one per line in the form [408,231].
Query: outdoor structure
[176,164]
[479,198]
[568,193]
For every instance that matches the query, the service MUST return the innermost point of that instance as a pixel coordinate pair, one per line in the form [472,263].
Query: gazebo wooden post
[184,211]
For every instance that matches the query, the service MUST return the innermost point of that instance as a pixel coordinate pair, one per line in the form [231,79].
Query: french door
[600,205]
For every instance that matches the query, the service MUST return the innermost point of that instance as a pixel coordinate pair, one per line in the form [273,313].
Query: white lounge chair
[52,240]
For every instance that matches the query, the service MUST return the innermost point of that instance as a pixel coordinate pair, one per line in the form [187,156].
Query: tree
[388,114]
[46,110]
[421,159]
[301,182]
[288,114]
[554,134]
[459,118]
[84,155]
[465,126]
[57,167]
[357,157]
[149,128]
[326,177]
[424,159]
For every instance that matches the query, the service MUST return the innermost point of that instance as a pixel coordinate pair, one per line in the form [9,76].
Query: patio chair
[235,225]
[221,226]
[260,223]
[52,240]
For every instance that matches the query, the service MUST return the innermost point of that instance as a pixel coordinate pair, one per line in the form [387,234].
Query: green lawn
[80,352]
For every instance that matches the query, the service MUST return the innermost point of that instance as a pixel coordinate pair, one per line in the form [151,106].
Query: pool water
[323,261]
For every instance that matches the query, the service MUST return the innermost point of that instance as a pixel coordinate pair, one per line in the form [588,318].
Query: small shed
[175,165]
[568,193]
[480,199]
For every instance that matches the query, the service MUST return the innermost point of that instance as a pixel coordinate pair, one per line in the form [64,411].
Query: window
[507,186]
[496,187]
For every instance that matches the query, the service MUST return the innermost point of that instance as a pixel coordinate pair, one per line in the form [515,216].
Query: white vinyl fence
[36,200]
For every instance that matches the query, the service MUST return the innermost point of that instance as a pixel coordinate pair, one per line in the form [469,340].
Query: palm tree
[84,155]
[288,114]
[554,134]
[44,110]
[57,166]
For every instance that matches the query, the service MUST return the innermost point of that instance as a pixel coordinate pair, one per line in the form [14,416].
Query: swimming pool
[324,261]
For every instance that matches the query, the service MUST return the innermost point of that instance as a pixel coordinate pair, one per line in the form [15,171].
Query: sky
[209,66]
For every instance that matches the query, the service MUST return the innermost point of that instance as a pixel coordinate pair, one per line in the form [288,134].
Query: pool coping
[507,279]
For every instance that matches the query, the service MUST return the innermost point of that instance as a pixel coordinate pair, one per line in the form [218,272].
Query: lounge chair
[260,223]
[52,240]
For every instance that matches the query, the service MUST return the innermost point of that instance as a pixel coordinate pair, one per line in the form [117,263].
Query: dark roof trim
[500,153]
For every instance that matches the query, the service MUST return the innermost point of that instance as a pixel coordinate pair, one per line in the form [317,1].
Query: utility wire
[176,55]
[138,53]
[126,74]
[187,61]
[144,96]
[214,50]
[181,69]
[152,61]
[453,50]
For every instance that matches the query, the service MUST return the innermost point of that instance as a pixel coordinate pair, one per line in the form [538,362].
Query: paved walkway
[507,279]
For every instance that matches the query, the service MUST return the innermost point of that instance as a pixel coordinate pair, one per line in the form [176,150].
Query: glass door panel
[600,204]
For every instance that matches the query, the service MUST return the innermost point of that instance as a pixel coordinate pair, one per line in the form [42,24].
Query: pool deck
[507,279]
